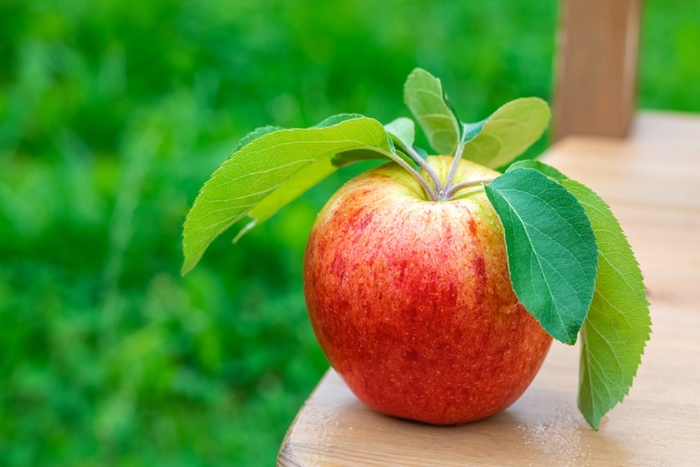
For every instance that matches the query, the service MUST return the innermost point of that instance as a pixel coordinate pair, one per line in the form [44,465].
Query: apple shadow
[542,428]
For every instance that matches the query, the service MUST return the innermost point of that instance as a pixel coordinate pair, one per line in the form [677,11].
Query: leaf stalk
[425,166]
[449,194]
[407,167]
[453,169]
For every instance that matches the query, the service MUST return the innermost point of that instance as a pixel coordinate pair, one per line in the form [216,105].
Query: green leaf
[294,187]
[423,94]
[335,119]
[552,254]
[346,158]
[421,152]
[255,134]
[508,132]
[470,130]
[266,165]
[618,323]
[548,170]
[403,130]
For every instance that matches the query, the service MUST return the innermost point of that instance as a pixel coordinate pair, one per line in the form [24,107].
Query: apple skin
[411,300]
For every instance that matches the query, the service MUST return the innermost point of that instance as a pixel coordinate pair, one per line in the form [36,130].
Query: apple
[411,299]
[436,285]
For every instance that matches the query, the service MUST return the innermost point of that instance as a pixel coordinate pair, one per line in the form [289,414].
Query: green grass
[112,115]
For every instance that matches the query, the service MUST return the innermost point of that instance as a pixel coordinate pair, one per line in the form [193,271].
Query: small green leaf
[470,130]
[423,94]
[548,170]
[264,166]
[508,132]
[552,253]
[421,152]
[403,130]
[618,323]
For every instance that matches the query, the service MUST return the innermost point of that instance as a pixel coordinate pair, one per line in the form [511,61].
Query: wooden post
[596,67]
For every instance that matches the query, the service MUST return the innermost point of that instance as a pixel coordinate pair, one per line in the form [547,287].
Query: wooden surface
[597,50]
[652,183]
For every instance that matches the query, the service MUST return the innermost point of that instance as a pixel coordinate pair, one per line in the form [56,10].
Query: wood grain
[652,183]
[596,67]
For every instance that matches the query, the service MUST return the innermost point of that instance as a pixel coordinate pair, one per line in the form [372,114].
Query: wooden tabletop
[652,183]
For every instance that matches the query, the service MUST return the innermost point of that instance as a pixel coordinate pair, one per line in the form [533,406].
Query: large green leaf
[255,134]
[508,132]
[262,131]
[552,252]
[423,94]
[335,119]
[618,323]
[294,187]
[265,165]
[359,155]
[346,158]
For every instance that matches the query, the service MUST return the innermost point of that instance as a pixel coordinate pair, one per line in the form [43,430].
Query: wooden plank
[652,183]
[595,81]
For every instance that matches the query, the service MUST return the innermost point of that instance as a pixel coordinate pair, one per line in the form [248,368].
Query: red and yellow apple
[411,299]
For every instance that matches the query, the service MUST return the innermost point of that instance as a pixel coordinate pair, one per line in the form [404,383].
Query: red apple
[411,299]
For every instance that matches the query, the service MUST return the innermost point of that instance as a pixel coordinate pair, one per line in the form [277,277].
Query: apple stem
[460,186]
[439,193]
[424,165]
[453,170]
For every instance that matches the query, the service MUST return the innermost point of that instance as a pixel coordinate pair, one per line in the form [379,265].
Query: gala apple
[411,299]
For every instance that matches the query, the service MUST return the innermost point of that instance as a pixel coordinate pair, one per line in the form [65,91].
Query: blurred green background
[112,115]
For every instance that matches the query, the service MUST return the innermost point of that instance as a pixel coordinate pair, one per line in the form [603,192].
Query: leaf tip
[187,265]
[417,71]
[415,74]
[594,423]
[592,418]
